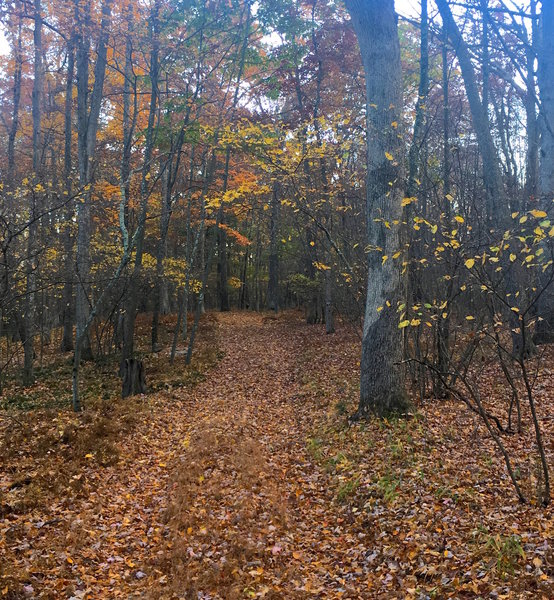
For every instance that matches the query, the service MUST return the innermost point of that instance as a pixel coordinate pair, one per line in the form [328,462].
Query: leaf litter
[253,484]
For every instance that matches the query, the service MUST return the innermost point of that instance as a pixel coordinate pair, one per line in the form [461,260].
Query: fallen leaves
[253,484]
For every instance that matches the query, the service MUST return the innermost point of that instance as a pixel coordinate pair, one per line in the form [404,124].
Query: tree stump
[134,381]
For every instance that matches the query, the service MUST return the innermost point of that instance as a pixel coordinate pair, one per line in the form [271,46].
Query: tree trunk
[443,326]
[382,388]
[531,122]
[273,280]
[497,204]
[87,126]
[16,98]
[29,304]
[134,381]
[67,314]
[545,326]
[131,302]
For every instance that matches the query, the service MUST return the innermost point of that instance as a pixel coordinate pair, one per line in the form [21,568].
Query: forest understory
[241,476]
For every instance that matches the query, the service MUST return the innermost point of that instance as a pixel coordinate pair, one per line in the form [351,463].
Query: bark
[443,327]
[532,158]
[16,99]
[171,169]
[222,259]
[498,208]
[415,248]
[161,287]
[29,303]
[68,309]
[134,381]
[87,127]
[328,278]
[273,279]
[129,121]
[382,388]
[131,303]
[545,326]
[497,203]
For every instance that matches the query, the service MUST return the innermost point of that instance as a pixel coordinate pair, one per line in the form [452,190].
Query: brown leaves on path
[252,484]
[252,516]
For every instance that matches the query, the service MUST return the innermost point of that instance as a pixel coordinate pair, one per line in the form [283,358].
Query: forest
[276,299]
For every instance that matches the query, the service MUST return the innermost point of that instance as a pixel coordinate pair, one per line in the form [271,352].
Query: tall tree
[131,301]
[497,204]
[545,326]
[382,388]
[87,128]
[29,304]
[68,309]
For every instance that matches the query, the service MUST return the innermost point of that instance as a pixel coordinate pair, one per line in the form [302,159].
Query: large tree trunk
[382,388]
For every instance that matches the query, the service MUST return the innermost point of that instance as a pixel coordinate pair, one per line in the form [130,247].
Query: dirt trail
[249,501]
[251,485]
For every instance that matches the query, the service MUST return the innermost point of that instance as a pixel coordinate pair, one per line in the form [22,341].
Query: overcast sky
[407,7]
[404,7]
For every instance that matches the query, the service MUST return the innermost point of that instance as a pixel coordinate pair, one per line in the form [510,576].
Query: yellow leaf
[312,243]
[459,218]
[470,318]
[69,560]
[389,156]
[89,456]
[469,263]
[403,324]
[538,214]
[449,197]
[513,257]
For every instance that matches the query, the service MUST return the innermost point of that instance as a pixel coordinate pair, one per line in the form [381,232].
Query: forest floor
[245,479]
